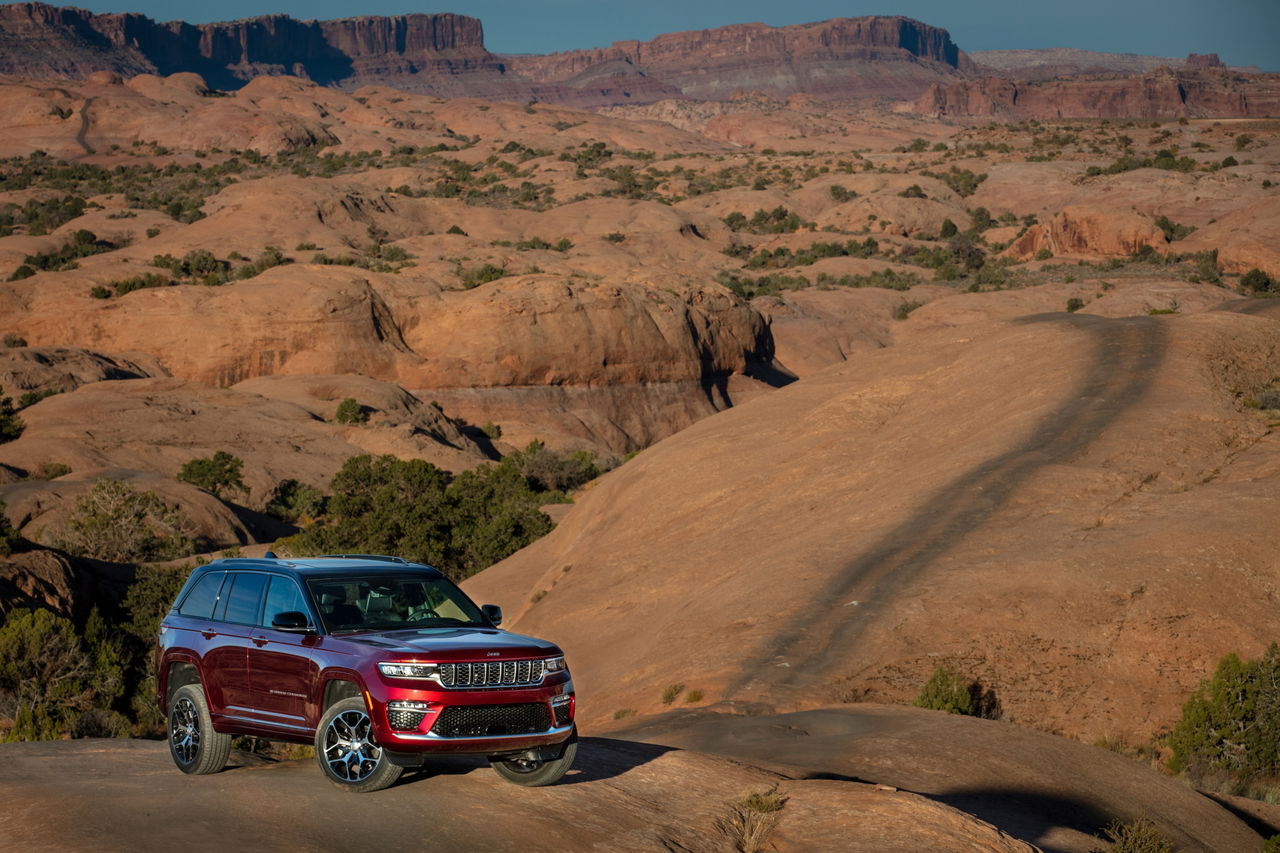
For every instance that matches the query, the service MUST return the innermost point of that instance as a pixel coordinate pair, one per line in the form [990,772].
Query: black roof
[328,566]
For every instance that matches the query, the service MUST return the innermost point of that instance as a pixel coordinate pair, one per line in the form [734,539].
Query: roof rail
[380,557]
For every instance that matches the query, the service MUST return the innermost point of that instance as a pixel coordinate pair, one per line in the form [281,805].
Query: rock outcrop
[445,55]
[838,59]
[1163,93]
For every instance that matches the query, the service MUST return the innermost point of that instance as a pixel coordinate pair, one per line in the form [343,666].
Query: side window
[199,602]
[244,597]
[283,595]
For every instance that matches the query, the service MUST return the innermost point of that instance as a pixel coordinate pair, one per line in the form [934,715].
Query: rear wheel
[535,773]
[347,753]
[196,748]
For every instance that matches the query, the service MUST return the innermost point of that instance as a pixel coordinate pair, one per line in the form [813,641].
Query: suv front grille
[489,720]
[507,673]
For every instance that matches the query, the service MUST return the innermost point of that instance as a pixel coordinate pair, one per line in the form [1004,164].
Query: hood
[457,644]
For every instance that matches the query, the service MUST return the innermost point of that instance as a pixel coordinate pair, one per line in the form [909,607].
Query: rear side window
[199,602]
[283,595]
[244,598]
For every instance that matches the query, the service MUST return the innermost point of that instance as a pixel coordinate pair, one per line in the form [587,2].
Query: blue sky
[1243,32]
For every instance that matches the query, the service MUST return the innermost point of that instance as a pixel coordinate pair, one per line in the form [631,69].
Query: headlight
[555,665]
[407,670]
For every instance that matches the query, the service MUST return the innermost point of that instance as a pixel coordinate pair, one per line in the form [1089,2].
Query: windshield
[383,603]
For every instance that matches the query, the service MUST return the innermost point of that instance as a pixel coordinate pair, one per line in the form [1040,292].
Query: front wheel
[347,753]
[535,773]
[196,748]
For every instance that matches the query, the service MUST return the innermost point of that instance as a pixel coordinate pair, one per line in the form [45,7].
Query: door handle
[260,641]
[209,635]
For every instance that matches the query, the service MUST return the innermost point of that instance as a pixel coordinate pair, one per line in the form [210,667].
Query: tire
[347,753]
[536,774]
[196,748]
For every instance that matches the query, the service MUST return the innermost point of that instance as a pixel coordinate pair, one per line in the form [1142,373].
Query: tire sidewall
[384,775]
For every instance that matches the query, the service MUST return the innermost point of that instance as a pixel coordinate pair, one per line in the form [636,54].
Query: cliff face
[847,57]
[445,55]
[1164,93]
[41,40]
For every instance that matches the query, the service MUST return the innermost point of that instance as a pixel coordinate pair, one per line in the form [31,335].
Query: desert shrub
[670,692]
[615,236]
[1243,141]
[214,473]
[81,245]
[552,471]
[693,696]
[491,431]
[1229,161]
[948,229]
[51,685]
[350,411]
[1272,844]
[1139,836]
[913,191]
[12,341]
[1231,725]
[776,221]
[1074,304]
[1172,230]
[116,522]
[23,271]
[480,275]
[1044,255]
[946,690]
[295,502]
[11,425]
[40,216]
[410,507]
[1257,281]
[10,539]
[753,818]
[841,194]
[905,307]
[961,181]
[49,471]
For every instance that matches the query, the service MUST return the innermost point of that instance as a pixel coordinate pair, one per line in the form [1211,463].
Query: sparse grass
[538,596]
[905,308]
[1138,836]
[623,713]
[693,696]
[752,819]
[670,692]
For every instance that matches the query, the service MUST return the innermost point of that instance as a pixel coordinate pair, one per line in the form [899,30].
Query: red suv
[378,662]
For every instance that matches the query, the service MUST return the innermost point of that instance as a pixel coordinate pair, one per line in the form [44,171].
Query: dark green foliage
[12,341]
[766,285]
[783,257]
[840,194]
[214,473]
[10,539]
[1272,844]
[1172,230]
[40,217]
[1258,281]
[30,398]
[413,509]
[481,275]
[292,501]
[615,236]
[53,683]
[946,690]
[1044,255]
[454,229]
[1206,267]
[117,523]
[776,221]
[148,599]
[23,271]
[905,307]
[1139,836]
[1229,161]
[913,191]
[1231,724]
[11,425]
[1243,141]
[948,229]
[963,182]
[1074,304]
[82,244]
[351,412]
[980,219]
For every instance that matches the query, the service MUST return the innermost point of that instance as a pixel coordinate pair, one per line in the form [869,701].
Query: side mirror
[294,621]
[493,613]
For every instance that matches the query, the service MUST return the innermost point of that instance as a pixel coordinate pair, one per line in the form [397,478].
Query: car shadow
[598,759]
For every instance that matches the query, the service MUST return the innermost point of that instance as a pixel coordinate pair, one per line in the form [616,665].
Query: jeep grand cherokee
[378,662]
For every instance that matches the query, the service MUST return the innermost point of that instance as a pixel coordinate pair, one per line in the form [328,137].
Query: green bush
[913,191]
[480,275]
[1231,724]
[117,523]
[1074,304]
[295,502]
[54,684]
[411,508]
[214,473]
[10,539]
[11,425]
[948,229]
[946,690]
[1257,281]
[351,412]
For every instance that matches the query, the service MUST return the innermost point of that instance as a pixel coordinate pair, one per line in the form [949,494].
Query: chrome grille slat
[511,673]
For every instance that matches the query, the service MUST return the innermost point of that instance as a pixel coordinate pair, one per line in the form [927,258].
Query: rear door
[238,610]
